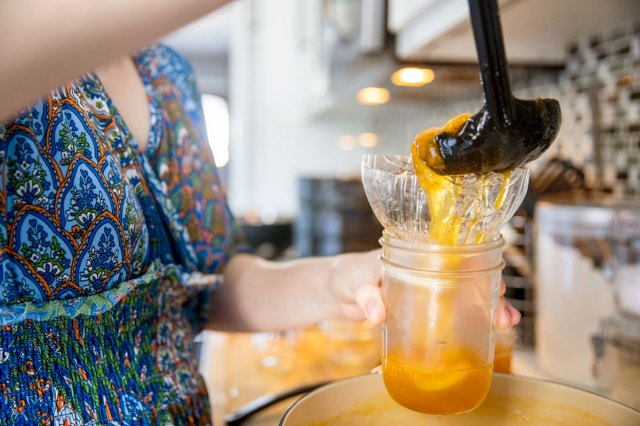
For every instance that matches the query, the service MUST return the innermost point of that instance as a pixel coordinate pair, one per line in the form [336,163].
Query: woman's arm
[45,43]
[261,295]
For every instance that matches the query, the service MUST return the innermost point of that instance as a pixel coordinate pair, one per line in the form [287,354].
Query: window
[216,117]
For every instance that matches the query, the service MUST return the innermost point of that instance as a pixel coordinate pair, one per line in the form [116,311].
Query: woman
[117,243]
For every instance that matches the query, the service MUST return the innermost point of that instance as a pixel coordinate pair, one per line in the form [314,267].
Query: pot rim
[500,376]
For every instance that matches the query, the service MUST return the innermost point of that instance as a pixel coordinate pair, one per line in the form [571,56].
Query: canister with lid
[573,261]
[625,243]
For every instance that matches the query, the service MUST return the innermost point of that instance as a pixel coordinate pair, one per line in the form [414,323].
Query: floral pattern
[98,241]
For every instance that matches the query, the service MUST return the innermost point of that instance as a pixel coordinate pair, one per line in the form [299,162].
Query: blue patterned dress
[99,244]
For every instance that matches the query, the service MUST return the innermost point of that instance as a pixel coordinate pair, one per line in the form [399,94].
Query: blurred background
[296,91]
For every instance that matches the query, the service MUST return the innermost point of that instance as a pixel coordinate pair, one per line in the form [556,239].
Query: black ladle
[507,132]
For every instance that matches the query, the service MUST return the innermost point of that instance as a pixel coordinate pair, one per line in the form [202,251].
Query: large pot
[363,401]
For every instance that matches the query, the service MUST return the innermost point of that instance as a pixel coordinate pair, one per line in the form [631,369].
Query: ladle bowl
[482,146]
[507,132]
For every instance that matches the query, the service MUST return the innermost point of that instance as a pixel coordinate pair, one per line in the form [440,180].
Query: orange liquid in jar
[502,359]
[459,383]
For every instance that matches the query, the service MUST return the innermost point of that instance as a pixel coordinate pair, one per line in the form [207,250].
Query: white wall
[274,138]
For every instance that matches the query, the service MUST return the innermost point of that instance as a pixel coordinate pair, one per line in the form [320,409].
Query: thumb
[369,299]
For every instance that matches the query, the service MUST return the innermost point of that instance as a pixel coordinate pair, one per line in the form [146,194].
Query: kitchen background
[289,123]
[290,72]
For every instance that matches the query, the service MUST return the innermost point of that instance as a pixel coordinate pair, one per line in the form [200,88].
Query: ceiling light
[368,140]
[347,142]
[373,96]
[413,77]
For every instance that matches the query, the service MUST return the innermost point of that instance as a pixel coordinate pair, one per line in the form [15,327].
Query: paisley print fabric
[98,240]
[187,172]
[134,366]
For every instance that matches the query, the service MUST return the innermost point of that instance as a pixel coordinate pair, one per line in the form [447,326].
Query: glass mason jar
[438,336]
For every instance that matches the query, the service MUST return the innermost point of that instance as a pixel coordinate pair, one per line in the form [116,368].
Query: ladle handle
[487,33]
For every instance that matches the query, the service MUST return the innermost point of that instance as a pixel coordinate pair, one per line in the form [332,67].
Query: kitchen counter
[240,367]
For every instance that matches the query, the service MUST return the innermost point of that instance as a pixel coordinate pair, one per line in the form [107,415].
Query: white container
[573,292]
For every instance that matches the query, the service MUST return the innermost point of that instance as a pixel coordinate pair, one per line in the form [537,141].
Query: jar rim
[389,240]
[442,274]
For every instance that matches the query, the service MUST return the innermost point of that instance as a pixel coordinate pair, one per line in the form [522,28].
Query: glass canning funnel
[473,208]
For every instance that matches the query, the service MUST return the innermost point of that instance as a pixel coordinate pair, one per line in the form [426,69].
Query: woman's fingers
[355,284]
[358,291]
[506,315]
[366,287]
[516,316]
[369,299]
[503,288]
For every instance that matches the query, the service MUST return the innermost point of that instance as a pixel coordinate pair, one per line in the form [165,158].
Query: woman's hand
[354,283]
[355,280]
[506,315]
[260,295]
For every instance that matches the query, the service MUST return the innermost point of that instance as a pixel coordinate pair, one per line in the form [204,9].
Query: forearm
[257,295]
[45,43]
[260,295]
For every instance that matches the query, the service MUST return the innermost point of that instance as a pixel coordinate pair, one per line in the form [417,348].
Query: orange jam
[459,382]
[445,225]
